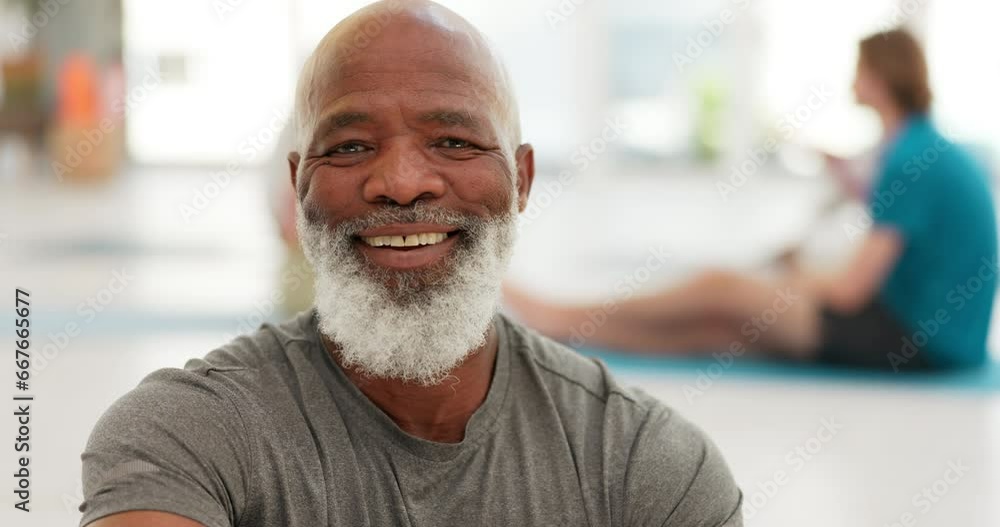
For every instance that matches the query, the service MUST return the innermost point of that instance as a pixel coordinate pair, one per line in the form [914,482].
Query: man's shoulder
[181,441]
[588,379]
[250,351]
[237,368]
[567,371]
[668,466]
[232,384]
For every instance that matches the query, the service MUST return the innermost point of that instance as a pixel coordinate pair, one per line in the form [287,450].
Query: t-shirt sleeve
[177,444]
[676,477]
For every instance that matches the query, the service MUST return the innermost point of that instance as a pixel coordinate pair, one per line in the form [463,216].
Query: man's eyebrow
[454,119]
[333,122]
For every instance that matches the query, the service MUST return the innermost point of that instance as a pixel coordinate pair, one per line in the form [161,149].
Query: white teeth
[412,240]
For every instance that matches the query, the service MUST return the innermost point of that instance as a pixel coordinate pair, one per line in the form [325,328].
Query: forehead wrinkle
[454,118]
[476,60]
[464,109]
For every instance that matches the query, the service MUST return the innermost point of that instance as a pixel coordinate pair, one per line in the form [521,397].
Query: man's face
[397,126]
[409,191]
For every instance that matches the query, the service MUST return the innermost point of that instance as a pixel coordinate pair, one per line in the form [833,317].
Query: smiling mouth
[408,241]
[408,251]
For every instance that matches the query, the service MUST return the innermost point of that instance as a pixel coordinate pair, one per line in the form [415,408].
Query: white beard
[412,326]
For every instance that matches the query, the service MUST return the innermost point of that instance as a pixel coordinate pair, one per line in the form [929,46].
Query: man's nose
[403,175]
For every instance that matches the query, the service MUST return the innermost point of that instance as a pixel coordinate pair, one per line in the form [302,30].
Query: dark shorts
[871,339]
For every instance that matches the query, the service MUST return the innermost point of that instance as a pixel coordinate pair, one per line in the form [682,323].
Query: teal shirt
[939,199]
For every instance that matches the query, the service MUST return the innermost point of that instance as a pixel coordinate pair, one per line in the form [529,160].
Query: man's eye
[451,142]
[348,148]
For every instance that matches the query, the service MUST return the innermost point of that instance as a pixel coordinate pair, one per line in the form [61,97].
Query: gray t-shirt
[268,431]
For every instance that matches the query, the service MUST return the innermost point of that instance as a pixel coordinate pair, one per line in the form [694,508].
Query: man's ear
[525,158]
[293,168]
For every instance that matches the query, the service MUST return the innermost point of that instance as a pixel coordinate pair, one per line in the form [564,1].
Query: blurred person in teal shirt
[918,294]
[936,201]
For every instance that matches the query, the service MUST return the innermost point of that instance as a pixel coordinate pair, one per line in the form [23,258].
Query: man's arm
[900,215]
[860,282]
[847,176]
[145,519]
[676,477]
[174,450]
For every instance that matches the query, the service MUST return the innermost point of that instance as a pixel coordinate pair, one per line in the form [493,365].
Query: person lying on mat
[403,398]
[917,295]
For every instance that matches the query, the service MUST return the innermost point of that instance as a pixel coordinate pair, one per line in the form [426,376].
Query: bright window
[227,78]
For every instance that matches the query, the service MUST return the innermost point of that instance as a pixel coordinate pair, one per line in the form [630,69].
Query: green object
[711,98]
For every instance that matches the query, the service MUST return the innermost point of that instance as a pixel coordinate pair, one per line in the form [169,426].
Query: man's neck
[435,413]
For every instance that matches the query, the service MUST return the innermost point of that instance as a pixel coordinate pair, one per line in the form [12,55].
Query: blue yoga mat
[986,378]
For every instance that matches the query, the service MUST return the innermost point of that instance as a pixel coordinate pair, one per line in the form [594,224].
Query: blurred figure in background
[917,295]
[296,274]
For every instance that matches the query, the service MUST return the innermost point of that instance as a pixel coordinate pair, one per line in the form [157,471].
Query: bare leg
[709,312]
[685,338]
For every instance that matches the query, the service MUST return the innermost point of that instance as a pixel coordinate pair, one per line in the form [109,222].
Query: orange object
[84,142]
[79,97]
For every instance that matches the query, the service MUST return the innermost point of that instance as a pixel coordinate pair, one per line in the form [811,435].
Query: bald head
[406,37]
